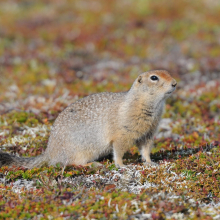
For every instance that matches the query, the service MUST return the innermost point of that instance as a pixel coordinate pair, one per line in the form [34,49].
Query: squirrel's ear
[140,80]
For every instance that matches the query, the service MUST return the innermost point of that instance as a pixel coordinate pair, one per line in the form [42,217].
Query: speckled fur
[101,123]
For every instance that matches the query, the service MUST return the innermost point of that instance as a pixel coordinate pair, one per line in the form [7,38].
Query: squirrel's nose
[174,83]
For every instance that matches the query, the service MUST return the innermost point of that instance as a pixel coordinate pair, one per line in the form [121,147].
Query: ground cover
[55,52]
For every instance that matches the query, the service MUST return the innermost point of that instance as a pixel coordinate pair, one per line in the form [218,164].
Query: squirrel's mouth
[169,92]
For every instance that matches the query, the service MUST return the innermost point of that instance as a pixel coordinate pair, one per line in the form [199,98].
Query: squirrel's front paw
[120,166]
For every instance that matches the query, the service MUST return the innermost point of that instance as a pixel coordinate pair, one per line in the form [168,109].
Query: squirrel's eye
[154,78]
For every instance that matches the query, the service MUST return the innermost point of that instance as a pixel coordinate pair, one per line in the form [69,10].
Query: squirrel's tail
[27,162]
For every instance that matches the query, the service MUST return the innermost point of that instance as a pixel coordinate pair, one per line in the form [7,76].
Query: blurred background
[91,46]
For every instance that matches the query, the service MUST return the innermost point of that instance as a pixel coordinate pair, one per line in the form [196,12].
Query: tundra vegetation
[55,52]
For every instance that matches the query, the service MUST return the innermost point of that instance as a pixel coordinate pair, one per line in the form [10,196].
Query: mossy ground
[55,52]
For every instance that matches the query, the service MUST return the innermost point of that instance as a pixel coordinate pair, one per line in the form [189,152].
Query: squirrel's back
[89,108]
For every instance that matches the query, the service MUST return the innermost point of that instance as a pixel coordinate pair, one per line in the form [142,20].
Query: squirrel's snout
[174,83]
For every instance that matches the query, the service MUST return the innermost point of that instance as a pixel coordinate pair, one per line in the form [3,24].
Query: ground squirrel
[104,122]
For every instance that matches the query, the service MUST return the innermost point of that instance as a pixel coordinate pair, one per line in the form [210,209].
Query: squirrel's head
[157,84]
